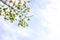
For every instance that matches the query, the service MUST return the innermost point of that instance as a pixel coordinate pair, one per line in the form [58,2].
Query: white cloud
[15,32]
[51,13]
[49,17]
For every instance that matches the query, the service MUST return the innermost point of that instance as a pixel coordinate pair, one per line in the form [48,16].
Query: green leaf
[14,4]
[4,9]
[10,1]
[16,13]
[7,14]
[5,18]
[24,5]
[13,15]
[0,14]
[11,19]
[19,23]
[28,9]
[18,7]
[28,19]
[19,3]
[0,10]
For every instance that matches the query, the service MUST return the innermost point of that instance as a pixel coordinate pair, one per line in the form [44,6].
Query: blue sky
[44,25]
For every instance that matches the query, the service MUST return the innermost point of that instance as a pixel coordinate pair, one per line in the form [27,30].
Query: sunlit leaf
[10,0]
[17,12]
[28,19]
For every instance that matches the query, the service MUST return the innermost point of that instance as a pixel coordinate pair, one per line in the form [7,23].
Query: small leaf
[28,19]
[10,1]
[28,9]
[13,3]
[26,24]
[24,5]
[0,10]
[0,14]
[18,7]
[19,2]
[0,7]
[7,14]
[16,13]
[5,18]
[4,9]
[11,19]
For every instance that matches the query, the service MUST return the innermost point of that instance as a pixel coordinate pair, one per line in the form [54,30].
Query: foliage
[15,10]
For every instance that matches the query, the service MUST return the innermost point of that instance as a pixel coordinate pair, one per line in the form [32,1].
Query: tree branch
[11,7]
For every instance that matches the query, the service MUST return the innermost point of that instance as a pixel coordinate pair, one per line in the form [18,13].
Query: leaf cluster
[15,11]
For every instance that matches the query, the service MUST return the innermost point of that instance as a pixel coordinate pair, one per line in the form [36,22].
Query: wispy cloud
[12,33]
